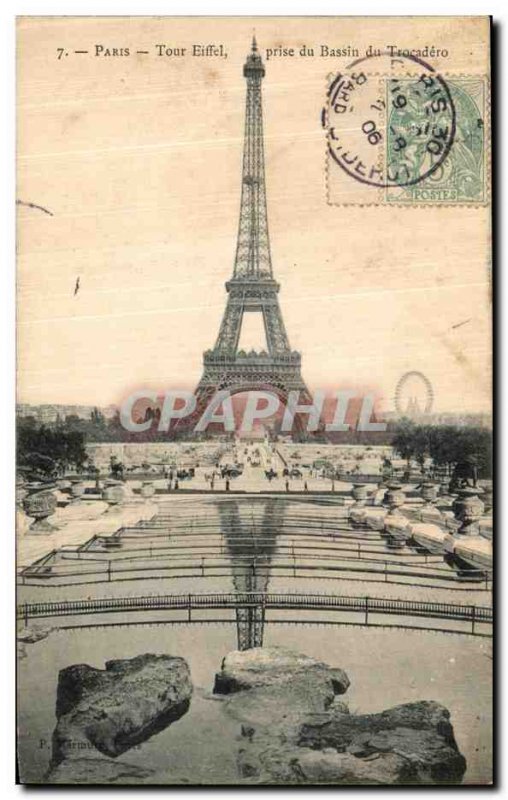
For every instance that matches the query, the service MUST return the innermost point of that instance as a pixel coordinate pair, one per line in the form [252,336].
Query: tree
[39,466]
[404,439]
[447,446]
[46,452]
[97,417]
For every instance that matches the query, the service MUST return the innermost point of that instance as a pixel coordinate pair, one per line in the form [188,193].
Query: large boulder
[414,741]
[275,666]
[112,710]
[296,730]
[330,767]
[271,691]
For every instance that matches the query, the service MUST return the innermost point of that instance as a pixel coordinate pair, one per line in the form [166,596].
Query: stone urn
[444,491]
[147,489]
[356,511]
[394,498]
[380,487]
[468,510]
[395,523]
[430,493]
[113,493]
[40,505]
[360,494]
[77,490]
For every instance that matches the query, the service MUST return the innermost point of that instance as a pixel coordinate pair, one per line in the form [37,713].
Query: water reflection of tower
[250,530]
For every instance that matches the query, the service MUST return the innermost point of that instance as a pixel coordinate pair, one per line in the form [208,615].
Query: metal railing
[364,605]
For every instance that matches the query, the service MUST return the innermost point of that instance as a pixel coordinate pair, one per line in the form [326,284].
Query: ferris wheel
[425,389]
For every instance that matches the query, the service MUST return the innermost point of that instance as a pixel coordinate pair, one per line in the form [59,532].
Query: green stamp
[462,177]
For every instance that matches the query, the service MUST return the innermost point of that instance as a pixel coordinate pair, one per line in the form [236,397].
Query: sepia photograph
[254,470]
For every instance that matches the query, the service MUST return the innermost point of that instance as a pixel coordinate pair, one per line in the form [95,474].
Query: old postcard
[254,472]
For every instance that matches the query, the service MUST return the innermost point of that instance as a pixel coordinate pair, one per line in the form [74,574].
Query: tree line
[46,452]
[52,449]
[449,446]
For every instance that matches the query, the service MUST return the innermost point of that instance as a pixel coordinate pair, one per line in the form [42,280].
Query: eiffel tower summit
[252,287]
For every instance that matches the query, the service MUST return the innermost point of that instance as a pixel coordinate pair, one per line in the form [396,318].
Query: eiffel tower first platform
[252,287]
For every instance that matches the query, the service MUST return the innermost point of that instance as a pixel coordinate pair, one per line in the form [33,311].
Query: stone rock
[295,730]
[339,705]
[114,709]
[274,666]
[271,691]
[418,733]
[345,768]
[283,704]
[33,634]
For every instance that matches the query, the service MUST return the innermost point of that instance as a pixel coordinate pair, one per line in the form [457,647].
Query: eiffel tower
[252,287]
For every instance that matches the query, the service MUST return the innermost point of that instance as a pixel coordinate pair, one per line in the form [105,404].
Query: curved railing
[365,606]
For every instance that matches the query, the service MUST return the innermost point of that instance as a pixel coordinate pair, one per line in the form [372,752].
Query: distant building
[47,413]
[480,420]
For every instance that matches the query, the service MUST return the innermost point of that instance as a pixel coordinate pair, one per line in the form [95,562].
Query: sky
[138,160]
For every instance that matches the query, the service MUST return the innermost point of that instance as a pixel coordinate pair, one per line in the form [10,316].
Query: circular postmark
[390,121]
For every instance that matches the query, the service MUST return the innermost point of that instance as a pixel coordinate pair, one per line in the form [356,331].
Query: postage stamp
[462,177]
[398,133]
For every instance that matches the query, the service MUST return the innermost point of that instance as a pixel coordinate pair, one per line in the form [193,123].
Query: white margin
[9,10]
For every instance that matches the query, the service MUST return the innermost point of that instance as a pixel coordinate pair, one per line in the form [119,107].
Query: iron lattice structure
[251,543]
[252,287]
